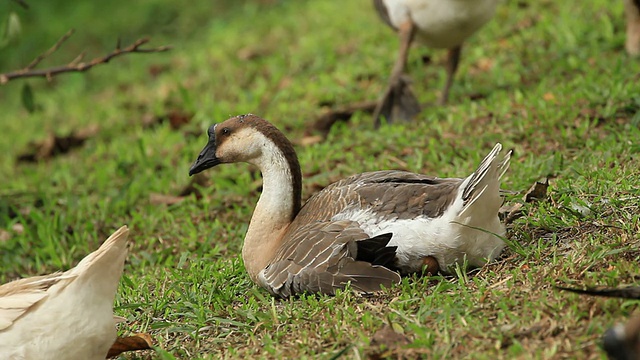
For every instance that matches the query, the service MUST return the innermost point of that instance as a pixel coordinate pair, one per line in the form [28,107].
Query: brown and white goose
[440,24]
[359,229]
[66,315]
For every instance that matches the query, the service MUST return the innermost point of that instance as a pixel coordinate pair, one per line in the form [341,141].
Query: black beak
[207,158]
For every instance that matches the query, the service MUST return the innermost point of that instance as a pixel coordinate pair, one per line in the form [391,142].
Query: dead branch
[75,65]
[47,53]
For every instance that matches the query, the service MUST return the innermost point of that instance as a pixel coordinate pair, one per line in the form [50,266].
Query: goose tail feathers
[367,278]
[484,183]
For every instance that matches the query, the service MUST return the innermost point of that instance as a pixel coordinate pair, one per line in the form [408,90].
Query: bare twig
[76,65]
[53,49]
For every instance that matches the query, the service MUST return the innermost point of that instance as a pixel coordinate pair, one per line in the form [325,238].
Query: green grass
[550,78]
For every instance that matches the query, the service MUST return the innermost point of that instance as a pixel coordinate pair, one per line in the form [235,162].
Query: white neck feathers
[274,211]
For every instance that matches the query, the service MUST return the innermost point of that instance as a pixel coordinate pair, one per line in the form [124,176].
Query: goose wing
[387,195]
[18,296]
[104,264]
[322,256]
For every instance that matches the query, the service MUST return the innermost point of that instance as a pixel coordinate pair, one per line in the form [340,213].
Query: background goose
[358,229]
[65,315]
[441,24]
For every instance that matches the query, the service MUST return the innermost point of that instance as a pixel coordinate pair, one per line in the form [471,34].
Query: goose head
[243,138]
[251,139]
[233,140]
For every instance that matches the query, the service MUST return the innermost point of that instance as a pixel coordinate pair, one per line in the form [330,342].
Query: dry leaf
[177,119]
[4,235]
[54,145]
[161,199]
[135,342]
[197,181]
[17,228]
[508,213]
[537,192]
[252,52]
[309,140]
[325,121]
[549,97]
[389,338]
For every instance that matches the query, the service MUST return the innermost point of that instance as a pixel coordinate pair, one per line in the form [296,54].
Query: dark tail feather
[376,252]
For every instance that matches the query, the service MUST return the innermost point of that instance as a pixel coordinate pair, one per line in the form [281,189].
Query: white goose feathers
[362,229]
[65,315]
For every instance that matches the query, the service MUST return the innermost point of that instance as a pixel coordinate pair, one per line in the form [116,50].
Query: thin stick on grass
[76,65]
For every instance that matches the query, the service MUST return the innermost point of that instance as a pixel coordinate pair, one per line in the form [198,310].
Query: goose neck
[278,205]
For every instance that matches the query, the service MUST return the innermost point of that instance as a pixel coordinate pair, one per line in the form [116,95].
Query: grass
[548,79]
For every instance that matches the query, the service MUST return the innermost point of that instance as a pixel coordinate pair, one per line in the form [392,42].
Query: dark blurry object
[54,145]
[325,121]
[629,292]
[621,341]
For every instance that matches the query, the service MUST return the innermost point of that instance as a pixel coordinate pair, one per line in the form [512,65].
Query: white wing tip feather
[483,171]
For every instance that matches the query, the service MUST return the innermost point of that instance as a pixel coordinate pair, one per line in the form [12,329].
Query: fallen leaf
[388,337]
[537,192]
[135,342]
[155,70]
[310,140]
[161,199]
[177,119]
[17,228]
[252,52]
[509,212]
[285,82]
[4,235]
[197,181]
[548,97]
[483,65]
[325,121]
[54,145]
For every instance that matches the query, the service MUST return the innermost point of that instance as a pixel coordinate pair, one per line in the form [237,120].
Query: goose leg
[632,8]
[398,102]
[453,59]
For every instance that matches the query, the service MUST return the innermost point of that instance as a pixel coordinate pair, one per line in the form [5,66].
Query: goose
[361,230]
[65,315]
[632,43]
[440,24]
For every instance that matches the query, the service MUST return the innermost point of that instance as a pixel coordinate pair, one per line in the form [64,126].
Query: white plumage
[65,315]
